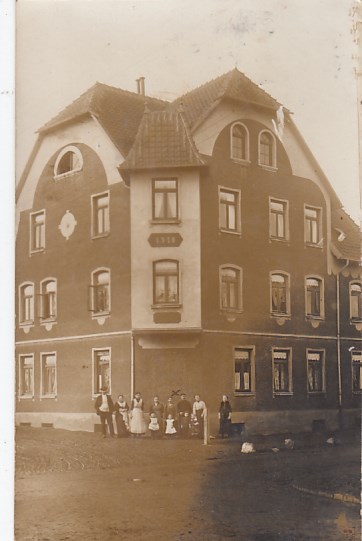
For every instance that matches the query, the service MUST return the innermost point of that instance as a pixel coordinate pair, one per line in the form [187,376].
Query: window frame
[43,354]
[156,303]
[320,279]
[94,221]
[154,190]
[32,232]
[92,303]
[239,282]
[245,160]
[273,165]
[319,228]
[355,353]
[358,318]
[287,350]
[26,322]
[322,353]
[236,205]
[61,154]
[51,318]
[21,395]
[251,351]
[96,392]
[285,215]
[286,275]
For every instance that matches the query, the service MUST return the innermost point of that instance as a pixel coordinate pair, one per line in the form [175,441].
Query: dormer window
[239,142]
[267,150]
[69,161]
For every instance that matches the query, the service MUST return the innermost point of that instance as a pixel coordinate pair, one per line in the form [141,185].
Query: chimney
[141,86]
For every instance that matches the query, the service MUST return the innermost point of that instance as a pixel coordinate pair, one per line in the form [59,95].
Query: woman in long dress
[121,413]
[137,424]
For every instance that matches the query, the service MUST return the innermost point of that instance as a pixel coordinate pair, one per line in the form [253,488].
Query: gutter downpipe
[340,422]
[132,365]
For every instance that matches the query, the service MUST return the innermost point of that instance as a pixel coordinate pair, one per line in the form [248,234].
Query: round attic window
[69,161]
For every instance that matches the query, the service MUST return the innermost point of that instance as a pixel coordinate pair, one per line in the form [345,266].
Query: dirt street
[77,486]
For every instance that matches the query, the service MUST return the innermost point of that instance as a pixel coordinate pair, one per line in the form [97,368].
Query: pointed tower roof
[163,140]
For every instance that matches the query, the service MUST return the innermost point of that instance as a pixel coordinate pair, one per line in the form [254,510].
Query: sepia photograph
[188,282]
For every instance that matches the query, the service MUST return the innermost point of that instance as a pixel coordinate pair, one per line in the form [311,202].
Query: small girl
[154,427]
[170,429]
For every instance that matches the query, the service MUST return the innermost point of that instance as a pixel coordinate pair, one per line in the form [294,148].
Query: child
[184,425]
[170,429]
[154,427]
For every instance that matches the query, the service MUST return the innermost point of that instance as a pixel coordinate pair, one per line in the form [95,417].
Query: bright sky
[298,51]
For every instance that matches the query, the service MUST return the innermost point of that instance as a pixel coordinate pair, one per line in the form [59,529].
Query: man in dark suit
[104,407]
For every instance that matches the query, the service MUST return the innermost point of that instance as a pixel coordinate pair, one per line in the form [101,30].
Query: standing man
[104,408]
[199,411]
[184,411]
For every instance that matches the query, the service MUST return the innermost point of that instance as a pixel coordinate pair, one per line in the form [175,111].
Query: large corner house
[194,245]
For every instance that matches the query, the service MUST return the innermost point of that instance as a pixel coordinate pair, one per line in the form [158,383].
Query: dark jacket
[98,403]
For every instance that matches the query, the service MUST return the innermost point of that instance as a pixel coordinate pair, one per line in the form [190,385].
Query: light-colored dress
[154,424]
[137,423]
[170,429]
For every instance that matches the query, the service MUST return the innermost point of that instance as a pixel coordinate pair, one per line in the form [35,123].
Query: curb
[346,498]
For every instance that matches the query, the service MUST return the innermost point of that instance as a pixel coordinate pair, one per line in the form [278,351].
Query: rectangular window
[282,381]
[26,376]
[315,361]
[313,225]
[314,298]
[47,300]
[164,199]
[229,210]
[100,214]
[280,294]
[357,371]
[243,370]
[48,374]
[26,304]
[355,300]
[99,299]
[101,370]
[278,219]
[37,231]
[230,288]
[165,282]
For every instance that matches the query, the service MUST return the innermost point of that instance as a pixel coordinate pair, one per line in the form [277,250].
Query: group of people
[169,420]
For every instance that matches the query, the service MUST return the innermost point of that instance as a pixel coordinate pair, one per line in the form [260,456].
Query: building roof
[163,140]
[233,85]
[119,112]
[346,236]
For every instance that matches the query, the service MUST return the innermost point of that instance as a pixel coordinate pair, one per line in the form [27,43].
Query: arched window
[230,288]
[314,297]
[355,300]
[267,149]
[166,282]
[280,294]
[26,304]
[99,295]
[69,161]
[239,142]
[48,299]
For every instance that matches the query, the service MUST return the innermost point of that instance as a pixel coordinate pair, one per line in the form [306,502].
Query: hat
[104,388]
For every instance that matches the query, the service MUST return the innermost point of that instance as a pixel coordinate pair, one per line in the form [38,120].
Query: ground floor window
[243,370]
[101,369]
[48,374]
[282,381]
[357,371]
[26,376]
[315,360]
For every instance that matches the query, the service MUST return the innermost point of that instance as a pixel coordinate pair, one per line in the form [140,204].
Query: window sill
[318,245]
[240,161]
[279,239]
[47,321]
[230,311]
[317,393]
[355,321]
[244,393]
[270,168]
[314,318]
[169,221]
[67,174]
[282,393]
[26,397]
[37,251]
[230,232]
[166,306]
[100,314]
[26,324]
[357,392]
[51,396]
[100,236]
[280,315]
